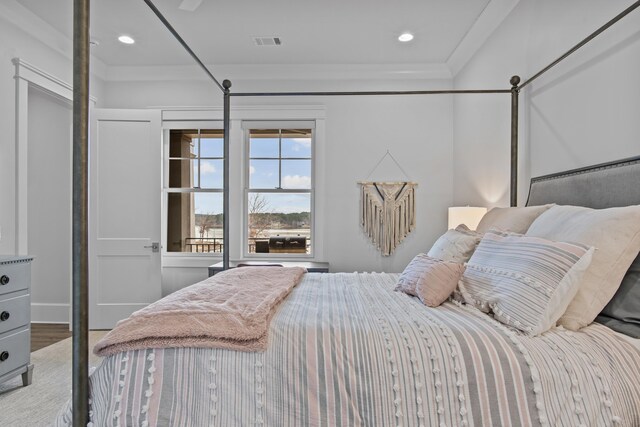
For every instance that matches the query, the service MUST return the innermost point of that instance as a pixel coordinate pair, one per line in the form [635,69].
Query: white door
[124,213]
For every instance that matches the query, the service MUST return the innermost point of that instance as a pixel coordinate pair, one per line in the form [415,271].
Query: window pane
[183,143]
[264,143]
[182,173]
[279,223]
[212,143]
[296,143]
[263,174]
[211,173]
[296,174]
[194,222]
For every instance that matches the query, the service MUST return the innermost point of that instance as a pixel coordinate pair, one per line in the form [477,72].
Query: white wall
[50,283]
[49,201]
[582,112]
[418,133]
[358,131]
[16,43]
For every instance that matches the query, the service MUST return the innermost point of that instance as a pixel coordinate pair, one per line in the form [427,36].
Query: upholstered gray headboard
[606,185]
[601,186]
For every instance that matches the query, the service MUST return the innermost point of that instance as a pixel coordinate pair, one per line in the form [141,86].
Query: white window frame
[167,127]
[247,126]
[211,117]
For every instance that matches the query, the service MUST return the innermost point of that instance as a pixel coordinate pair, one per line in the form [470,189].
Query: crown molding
[244,112]
[22,18]
[281,72]
[34,75]
[491,17]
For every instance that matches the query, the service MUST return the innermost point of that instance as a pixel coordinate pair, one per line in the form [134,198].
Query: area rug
[39,403]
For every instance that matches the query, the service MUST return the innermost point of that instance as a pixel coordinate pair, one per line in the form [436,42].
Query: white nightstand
[15,318]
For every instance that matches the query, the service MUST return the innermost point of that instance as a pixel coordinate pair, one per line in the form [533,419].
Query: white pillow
[456,245]
[527,282]
[614,232]
[516,220]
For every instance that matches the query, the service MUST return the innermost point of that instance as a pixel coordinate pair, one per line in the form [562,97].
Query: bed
[345,349]
[115,393]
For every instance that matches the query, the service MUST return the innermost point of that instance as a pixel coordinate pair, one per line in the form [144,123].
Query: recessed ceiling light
[405,37]
[126,40]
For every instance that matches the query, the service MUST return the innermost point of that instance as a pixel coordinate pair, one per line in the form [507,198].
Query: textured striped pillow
[432,280]
[455,245]
[527,282]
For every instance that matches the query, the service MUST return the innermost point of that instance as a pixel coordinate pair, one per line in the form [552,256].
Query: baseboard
[49,313]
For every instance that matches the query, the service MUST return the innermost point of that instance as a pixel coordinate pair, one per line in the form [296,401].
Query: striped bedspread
[345,350]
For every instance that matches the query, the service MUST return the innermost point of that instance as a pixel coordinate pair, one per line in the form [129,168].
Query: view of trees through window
[194,193]
[279,194]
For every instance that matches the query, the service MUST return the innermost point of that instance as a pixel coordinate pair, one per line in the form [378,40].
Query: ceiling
[347,32]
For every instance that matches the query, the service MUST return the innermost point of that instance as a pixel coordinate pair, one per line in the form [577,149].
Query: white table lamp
[467,215]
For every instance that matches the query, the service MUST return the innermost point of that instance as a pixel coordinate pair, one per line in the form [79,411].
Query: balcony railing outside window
[256,245]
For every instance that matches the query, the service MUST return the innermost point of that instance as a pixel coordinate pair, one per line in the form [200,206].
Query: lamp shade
[467,215]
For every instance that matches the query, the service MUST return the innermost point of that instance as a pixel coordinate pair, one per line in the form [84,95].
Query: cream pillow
[526,282]
[431,280]
[456,245]
[516,220]
[614,232]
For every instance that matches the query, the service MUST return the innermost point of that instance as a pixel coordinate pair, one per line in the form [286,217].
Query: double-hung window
[194,190]
[279,189]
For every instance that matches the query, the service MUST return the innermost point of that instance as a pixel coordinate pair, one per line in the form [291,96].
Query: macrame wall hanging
[387,210]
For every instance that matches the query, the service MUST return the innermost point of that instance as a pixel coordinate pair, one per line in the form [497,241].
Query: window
[194,187]
[279,190]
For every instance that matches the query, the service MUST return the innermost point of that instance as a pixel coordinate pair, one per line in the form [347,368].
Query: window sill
[278,256]
[186,259]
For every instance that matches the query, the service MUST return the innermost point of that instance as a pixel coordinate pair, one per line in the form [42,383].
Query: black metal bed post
[181,41]
[225,202]
[514,139]
[80,271]
[584,41]
[372,93]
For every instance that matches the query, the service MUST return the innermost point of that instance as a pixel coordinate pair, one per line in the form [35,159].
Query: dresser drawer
[16,311]
[17,277]
[17,348]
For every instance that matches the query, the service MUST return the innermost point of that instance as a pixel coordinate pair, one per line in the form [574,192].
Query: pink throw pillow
[431,280]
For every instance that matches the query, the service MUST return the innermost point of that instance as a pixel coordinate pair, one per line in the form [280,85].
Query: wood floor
[45,334]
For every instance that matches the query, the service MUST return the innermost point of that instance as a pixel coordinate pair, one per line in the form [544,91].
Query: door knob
[155,247]
[4,279]
[4,316]
[4,356]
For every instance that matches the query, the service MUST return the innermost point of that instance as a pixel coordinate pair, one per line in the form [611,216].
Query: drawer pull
[4,316]
[4,279]
[4,356]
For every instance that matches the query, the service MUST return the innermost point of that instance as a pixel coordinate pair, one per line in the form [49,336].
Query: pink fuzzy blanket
[230,310]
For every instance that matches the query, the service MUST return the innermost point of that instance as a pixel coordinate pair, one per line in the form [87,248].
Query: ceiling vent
[267,41]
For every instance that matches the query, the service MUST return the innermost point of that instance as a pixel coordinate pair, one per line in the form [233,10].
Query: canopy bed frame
[80,168]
